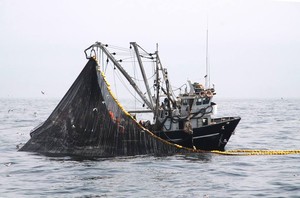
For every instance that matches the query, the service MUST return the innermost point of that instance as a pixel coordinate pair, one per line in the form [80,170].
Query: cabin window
[206,100]
[199,101]
[204,121]
[197,90]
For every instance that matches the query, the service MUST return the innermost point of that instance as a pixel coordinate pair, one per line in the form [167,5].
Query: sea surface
[266,124]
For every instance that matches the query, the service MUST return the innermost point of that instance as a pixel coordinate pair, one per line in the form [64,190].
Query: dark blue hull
[211,137]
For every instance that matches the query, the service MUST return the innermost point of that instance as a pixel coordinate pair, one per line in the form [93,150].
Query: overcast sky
[254,46]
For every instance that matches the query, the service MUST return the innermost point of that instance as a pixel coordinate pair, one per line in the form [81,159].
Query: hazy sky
[254,46]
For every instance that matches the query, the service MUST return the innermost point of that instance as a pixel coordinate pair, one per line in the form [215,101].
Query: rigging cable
[114,75]
[124,84]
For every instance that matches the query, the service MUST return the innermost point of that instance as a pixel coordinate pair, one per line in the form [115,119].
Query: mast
[169,92]
[157,84]
[143,73]
[132,83]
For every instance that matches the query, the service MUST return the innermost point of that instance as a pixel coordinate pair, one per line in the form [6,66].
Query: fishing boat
[92,121]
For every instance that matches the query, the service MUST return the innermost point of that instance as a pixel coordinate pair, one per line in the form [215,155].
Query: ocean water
[266,124]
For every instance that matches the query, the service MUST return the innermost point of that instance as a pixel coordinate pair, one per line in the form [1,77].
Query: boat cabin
[194,107]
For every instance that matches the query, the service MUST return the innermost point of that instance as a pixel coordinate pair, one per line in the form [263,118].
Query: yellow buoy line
[229,152]
[257,152]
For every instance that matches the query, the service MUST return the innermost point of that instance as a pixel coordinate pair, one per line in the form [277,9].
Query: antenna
[207,75]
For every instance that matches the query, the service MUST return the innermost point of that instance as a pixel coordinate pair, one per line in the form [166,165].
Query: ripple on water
[192,175]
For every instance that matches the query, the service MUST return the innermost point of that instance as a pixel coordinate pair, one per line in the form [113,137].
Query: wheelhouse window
[199,101]
[205,121]
[206,100]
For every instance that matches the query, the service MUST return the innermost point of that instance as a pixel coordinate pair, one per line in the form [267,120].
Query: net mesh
[90,122]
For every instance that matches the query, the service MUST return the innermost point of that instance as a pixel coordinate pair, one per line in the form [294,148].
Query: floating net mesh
[90,122]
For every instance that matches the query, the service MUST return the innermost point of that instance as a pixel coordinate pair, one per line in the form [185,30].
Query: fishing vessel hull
[211,137]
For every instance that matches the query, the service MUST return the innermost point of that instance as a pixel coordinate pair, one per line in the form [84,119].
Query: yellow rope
[229,152]
[257,152]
